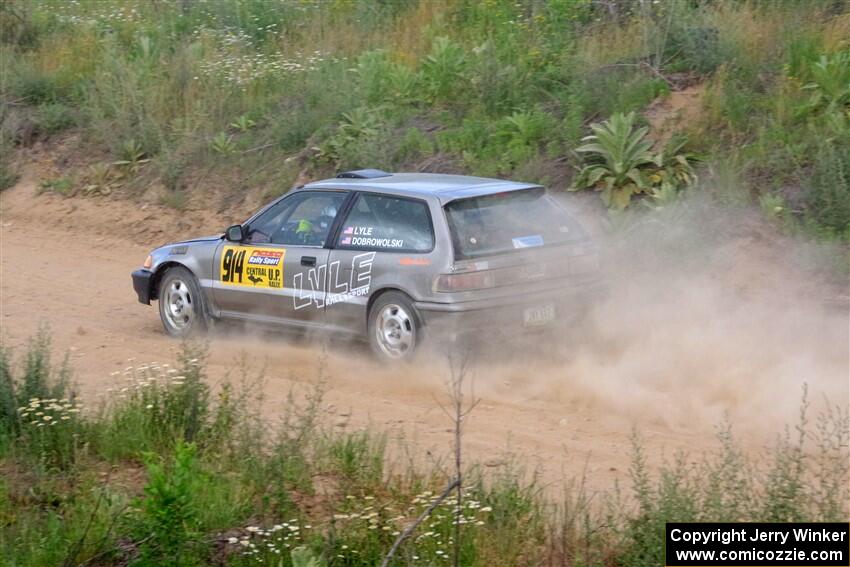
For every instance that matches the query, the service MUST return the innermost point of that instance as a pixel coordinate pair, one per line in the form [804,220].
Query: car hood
[195,240]
[183,246]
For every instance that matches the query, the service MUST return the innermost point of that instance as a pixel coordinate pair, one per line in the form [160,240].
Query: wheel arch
[389,289]
[160,272]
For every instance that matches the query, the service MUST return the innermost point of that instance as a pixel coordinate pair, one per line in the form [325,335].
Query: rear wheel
[394,329]
[181,303]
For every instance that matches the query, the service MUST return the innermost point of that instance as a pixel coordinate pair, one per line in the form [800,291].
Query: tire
[394,328]
[181,303]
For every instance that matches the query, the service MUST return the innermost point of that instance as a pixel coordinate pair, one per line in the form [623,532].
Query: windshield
[504,222]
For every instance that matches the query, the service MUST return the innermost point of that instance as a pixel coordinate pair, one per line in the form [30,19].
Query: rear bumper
[142,285]
[507,313]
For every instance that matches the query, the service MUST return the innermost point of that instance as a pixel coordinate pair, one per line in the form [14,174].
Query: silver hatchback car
[392,256]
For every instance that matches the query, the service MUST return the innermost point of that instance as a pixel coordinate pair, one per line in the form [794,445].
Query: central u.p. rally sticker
[252,267]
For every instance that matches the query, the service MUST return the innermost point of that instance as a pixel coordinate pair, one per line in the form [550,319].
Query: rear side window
[504,222]
[386,223]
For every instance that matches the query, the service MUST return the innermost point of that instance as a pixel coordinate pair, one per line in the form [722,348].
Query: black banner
[761,545]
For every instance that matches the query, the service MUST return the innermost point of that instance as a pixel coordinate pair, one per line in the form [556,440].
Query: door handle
[308,260]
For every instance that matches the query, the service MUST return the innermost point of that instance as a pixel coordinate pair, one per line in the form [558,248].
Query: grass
[167,470]
[494,88]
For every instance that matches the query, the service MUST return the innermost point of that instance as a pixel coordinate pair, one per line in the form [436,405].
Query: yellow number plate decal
[252,267]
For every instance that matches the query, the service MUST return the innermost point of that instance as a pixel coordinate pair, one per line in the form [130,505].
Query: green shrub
[442,70]
[34,86]
[697,47]
[358,457]
[54,523]
[8,175]
[414,145]
[168,522]
[619,164]
[498,148]
[522,134]
[505,516]
[9,419]
[616,153]
[40,379]
[223,144]
[62,185]
[499,85]
[830,82]
[243,123]
[287,466]
[159,407]
[303,557]
[382,80]
[38,409]
[618,90]
[827,189]
[54,117]
[804,479]
[50,431]
[361,140]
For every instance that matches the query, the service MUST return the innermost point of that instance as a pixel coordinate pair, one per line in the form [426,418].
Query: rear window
[389,224]
[504,222]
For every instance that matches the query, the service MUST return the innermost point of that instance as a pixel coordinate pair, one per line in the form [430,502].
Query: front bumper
[142,285]
[500,314]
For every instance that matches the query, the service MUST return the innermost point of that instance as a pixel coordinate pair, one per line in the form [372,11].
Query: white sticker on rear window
[363,236]
[528,241]
[372,242]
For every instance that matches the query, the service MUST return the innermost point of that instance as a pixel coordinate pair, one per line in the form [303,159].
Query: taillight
[465,282]
[148,262]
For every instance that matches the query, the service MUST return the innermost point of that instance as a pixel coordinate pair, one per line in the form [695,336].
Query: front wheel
[394,329]
[181,303]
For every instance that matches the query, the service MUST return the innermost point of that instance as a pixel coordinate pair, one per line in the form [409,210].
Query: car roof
[443,186]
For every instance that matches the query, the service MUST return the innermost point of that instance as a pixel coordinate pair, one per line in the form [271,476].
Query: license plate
[538,315]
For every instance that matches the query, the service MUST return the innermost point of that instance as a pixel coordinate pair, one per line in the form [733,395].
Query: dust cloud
[711,314]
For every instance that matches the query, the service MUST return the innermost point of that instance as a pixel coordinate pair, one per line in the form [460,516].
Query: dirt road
[66,263]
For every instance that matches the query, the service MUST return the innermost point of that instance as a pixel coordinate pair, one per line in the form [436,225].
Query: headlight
[148,262]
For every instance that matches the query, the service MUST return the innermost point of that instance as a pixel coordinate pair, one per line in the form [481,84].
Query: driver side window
[302,219]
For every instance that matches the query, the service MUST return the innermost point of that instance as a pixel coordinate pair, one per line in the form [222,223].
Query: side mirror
[234,233]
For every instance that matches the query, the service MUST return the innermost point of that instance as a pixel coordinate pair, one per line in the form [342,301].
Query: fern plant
[620,164]
[443,69]
[223,144]
[243,123]
[524,128]
[673,168]
[383,80]
[830,82]
[358,139]
[133,156]
[614,154]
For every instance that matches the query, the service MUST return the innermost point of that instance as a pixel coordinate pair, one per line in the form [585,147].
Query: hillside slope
[227,101]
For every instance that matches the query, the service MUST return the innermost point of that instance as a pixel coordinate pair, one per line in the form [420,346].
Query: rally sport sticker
[252,267]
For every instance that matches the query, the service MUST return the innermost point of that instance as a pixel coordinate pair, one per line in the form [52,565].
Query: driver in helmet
[313,231]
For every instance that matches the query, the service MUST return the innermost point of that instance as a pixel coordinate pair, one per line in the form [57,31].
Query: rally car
[389,256]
